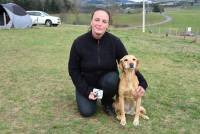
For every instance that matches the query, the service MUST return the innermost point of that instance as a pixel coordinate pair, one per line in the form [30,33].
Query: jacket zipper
[98,52]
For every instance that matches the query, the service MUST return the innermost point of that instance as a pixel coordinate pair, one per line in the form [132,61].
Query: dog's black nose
[131,65]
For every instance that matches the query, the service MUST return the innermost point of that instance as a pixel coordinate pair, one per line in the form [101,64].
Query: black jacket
[91,58]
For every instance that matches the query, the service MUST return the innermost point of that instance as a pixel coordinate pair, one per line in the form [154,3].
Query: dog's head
[129,62]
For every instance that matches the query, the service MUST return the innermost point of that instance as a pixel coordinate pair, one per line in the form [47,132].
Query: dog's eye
[134,59]
[125,60]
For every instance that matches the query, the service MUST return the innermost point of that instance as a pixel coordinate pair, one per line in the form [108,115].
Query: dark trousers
[109,84]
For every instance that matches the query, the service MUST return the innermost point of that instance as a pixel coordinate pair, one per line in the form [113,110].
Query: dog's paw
[118,117]
[146,117]
[123,122]
[136,123]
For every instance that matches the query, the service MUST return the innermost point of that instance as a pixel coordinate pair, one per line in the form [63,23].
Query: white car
[42,18]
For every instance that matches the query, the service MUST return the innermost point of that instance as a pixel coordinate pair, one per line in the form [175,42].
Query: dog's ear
[120,65]
[138,65]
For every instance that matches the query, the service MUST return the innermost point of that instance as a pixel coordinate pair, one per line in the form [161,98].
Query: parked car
[42,18]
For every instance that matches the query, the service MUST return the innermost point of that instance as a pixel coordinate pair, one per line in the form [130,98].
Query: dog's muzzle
[131,65]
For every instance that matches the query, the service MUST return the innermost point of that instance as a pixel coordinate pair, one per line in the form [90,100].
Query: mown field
[181,18]
[37,94]
[117,19]
[184,18]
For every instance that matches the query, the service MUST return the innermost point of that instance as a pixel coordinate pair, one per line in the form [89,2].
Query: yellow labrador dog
[125,102]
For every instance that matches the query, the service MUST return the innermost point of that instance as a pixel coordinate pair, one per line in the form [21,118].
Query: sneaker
[109,110]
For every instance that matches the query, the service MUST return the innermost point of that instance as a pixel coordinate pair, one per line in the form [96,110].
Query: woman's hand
[139,92]
[92,96]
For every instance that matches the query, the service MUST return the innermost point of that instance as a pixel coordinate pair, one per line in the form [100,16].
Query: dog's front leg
[123,118]
[137,112]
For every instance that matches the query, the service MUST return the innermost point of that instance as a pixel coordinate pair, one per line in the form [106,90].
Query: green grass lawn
[37,95]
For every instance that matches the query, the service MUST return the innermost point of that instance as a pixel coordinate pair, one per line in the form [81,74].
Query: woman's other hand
[92,96]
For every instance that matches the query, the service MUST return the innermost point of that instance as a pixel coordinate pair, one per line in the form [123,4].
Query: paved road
[167,19]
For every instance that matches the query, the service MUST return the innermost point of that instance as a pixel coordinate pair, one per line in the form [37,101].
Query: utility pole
[143,17]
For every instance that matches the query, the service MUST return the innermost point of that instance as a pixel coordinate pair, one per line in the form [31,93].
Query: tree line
[50,6]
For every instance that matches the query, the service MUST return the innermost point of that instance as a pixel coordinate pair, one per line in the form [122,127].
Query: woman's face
[99,23]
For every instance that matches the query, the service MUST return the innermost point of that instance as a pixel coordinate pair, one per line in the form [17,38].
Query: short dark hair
[102,9]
